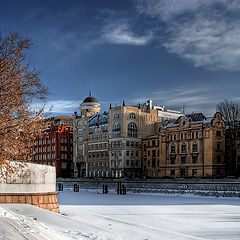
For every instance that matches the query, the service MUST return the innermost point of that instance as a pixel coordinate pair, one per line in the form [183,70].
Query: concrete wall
[29,178]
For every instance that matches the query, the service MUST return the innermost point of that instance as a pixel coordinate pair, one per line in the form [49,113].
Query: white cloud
[194,99]
[59,106]
[199,31]
[120,33]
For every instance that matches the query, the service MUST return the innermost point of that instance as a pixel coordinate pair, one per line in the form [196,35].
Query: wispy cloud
[121,33]
[206,33]
[194,99]
[59,106]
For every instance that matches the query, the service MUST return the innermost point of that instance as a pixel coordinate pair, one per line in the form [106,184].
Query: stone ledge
[47,201]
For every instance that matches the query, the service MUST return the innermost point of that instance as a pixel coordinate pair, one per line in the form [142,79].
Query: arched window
[194,147]
[132,116]
[116,130]
[116,115]
[132,130]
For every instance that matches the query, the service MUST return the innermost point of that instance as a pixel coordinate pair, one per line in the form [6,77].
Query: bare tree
[230,111]
[20,86]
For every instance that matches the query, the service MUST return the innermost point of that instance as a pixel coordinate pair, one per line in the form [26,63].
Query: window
[172,173]
[153,153]
[194,147]
[79,123]
[196,134]
[132,116]
[183,148]
[127,153]
[181,136]
[173,149]
[193,135]
[116,116]
[80,131]
[127,162]
[132,130]
[79,139]
[218,133]
[116,130]
[127,144]
[173,159]
[194,158]
[219,159]
[148,153]
[218,147]
[132,144]
[175,137]
[153,143]
[183,159]
[194,172]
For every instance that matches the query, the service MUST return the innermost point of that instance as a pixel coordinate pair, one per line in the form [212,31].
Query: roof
[90,99]
[195,117]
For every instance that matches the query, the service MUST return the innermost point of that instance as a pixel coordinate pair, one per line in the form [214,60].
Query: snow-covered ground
[94,216]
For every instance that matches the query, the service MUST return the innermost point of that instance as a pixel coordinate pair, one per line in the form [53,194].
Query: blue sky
[175,52]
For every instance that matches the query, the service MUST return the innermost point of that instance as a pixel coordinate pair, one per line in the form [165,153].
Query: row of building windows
[45,149]
[184,148]
[131,116]
[132,153]
[98,137]
[44,141]
[132,144]
[132,163]
[98,164]
[44,157]
[132,130]
[98,155]
[156,163]
[97,146]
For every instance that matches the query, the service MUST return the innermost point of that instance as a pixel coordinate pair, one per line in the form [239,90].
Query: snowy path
[93,216]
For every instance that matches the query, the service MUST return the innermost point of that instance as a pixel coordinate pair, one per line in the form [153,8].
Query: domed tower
[90,106]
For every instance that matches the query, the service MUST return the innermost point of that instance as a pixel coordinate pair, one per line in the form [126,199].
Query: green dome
[90,99]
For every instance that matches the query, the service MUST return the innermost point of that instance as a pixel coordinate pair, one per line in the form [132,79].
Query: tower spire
[90,93]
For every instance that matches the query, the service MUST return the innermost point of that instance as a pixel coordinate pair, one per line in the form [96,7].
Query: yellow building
[192,146]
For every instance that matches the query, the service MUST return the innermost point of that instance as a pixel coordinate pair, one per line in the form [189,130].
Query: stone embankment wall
[31,183]
[203,187]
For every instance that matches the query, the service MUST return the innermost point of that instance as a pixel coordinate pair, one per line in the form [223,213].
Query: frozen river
[93,216]
[149,216]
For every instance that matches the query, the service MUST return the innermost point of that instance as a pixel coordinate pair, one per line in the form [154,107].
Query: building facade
[54,146]
[192,146]
[109,144]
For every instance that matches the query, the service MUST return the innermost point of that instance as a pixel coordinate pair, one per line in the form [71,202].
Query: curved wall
[31,184]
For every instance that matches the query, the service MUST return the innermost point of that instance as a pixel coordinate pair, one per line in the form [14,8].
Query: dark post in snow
[121,189]
[60,187]
[76,187]
[105,189]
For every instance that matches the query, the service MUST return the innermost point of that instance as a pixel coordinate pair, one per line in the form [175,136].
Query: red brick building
[55,147]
